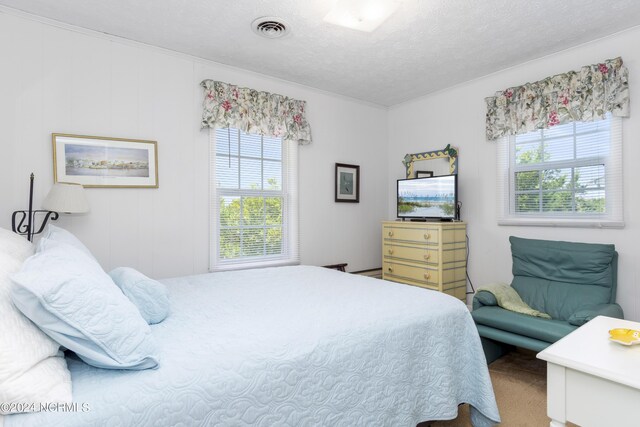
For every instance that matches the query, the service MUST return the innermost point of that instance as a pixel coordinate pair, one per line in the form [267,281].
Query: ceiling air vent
[270,27]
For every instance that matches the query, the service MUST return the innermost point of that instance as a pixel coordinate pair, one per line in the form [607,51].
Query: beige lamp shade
[66,198]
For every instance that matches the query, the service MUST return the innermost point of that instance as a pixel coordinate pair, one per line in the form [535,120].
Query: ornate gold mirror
[449,152]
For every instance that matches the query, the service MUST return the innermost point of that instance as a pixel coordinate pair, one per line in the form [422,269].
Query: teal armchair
[572,282]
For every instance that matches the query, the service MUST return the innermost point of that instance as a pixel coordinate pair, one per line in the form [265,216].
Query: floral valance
[251,111]
[584,95]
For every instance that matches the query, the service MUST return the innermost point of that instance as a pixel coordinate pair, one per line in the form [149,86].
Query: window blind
[254,200]
[566,175]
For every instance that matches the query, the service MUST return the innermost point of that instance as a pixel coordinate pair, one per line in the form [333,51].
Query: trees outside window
[564,173]
[253,199]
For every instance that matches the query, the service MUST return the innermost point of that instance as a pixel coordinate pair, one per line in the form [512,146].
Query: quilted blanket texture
[293,346]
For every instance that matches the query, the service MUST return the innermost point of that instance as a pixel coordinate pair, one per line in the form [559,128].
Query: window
[566,175]
[253,201]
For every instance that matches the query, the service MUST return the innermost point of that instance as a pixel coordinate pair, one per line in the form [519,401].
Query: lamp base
[30,217]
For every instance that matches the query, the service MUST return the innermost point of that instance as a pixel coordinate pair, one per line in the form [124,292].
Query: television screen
[428,198]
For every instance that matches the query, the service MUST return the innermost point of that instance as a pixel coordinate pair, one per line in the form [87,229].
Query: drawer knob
[390,234]
[390,269]
[427,256]
[390,251]
[427,276]
[427,236]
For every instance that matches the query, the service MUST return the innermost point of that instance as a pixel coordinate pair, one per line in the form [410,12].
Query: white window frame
[289,194]
[507,168]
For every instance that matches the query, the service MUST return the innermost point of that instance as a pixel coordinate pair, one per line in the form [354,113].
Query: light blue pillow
[71,299]
[150,296]
[63,236]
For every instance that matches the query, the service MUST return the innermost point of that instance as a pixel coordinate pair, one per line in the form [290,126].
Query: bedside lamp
[62,198]
[66,198]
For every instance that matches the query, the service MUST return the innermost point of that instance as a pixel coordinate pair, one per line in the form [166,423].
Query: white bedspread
[298,346]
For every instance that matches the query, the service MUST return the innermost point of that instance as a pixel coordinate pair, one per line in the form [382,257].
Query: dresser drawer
[415,273]
[410,253]
[425,235]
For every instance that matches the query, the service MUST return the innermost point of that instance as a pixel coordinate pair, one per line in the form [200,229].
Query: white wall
[61,79]
[457,116]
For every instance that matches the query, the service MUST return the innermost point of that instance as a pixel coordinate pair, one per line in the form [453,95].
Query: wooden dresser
[427,254]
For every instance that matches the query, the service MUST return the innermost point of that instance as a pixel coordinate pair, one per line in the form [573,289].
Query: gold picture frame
[105,162]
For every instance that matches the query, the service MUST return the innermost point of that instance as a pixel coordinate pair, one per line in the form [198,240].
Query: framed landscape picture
[97,161]
[347,185]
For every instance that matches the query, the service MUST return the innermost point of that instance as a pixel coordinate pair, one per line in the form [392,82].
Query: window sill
[561,222]
[251,265]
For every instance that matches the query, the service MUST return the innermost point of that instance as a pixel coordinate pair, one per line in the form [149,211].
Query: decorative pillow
[51,232]
[150,296]
[32,367]
[72,300]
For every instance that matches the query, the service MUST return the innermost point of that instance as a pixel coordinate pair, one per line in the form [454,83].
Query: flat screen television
[433,198]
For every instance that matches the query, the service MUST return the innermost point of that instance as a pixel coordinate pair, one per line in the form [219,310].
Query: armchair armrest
[587,313]
[482,298]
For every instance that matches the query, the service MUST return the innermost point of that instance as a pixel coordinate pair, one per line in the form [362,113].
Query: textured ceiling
[425,46]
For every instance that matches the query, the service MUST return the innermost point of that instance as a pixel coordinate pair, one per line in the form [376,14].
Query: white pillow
[32,367]
[68,295]
[61,235]
[15,246]
[149,296]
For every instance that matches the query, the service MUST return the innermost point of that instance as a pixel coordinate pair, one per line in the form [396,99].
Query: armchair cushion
[559,278]
[588,313]
[547,330]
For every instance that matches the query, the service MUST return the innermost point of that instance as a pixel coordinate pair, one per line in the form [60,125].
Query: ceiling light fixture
[270,27]
[361,15]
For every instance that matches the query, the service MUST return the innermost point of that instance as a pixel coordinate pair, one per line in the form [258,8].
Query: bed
[300,346]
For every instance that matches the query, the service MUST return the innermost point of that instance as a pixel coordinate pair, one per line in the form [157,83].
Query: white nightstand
[592,381]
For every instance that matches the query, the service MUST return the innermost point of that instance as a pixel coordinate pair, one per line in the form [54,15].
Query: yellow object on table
[624,336]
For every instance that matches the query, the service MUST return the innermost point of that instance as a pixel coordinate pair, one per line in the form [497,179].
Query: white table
[592,381]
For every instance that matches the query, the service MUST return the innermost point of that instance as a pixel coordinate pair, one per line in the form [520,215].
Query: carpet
[520,385]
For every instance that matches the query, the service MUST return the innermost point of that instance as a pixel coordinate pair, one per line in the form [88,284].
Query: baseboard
[373,272]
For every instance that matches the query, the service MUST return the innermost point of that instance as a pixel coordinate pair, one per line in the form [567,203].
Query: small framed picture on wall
[424,174]
[347,185]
